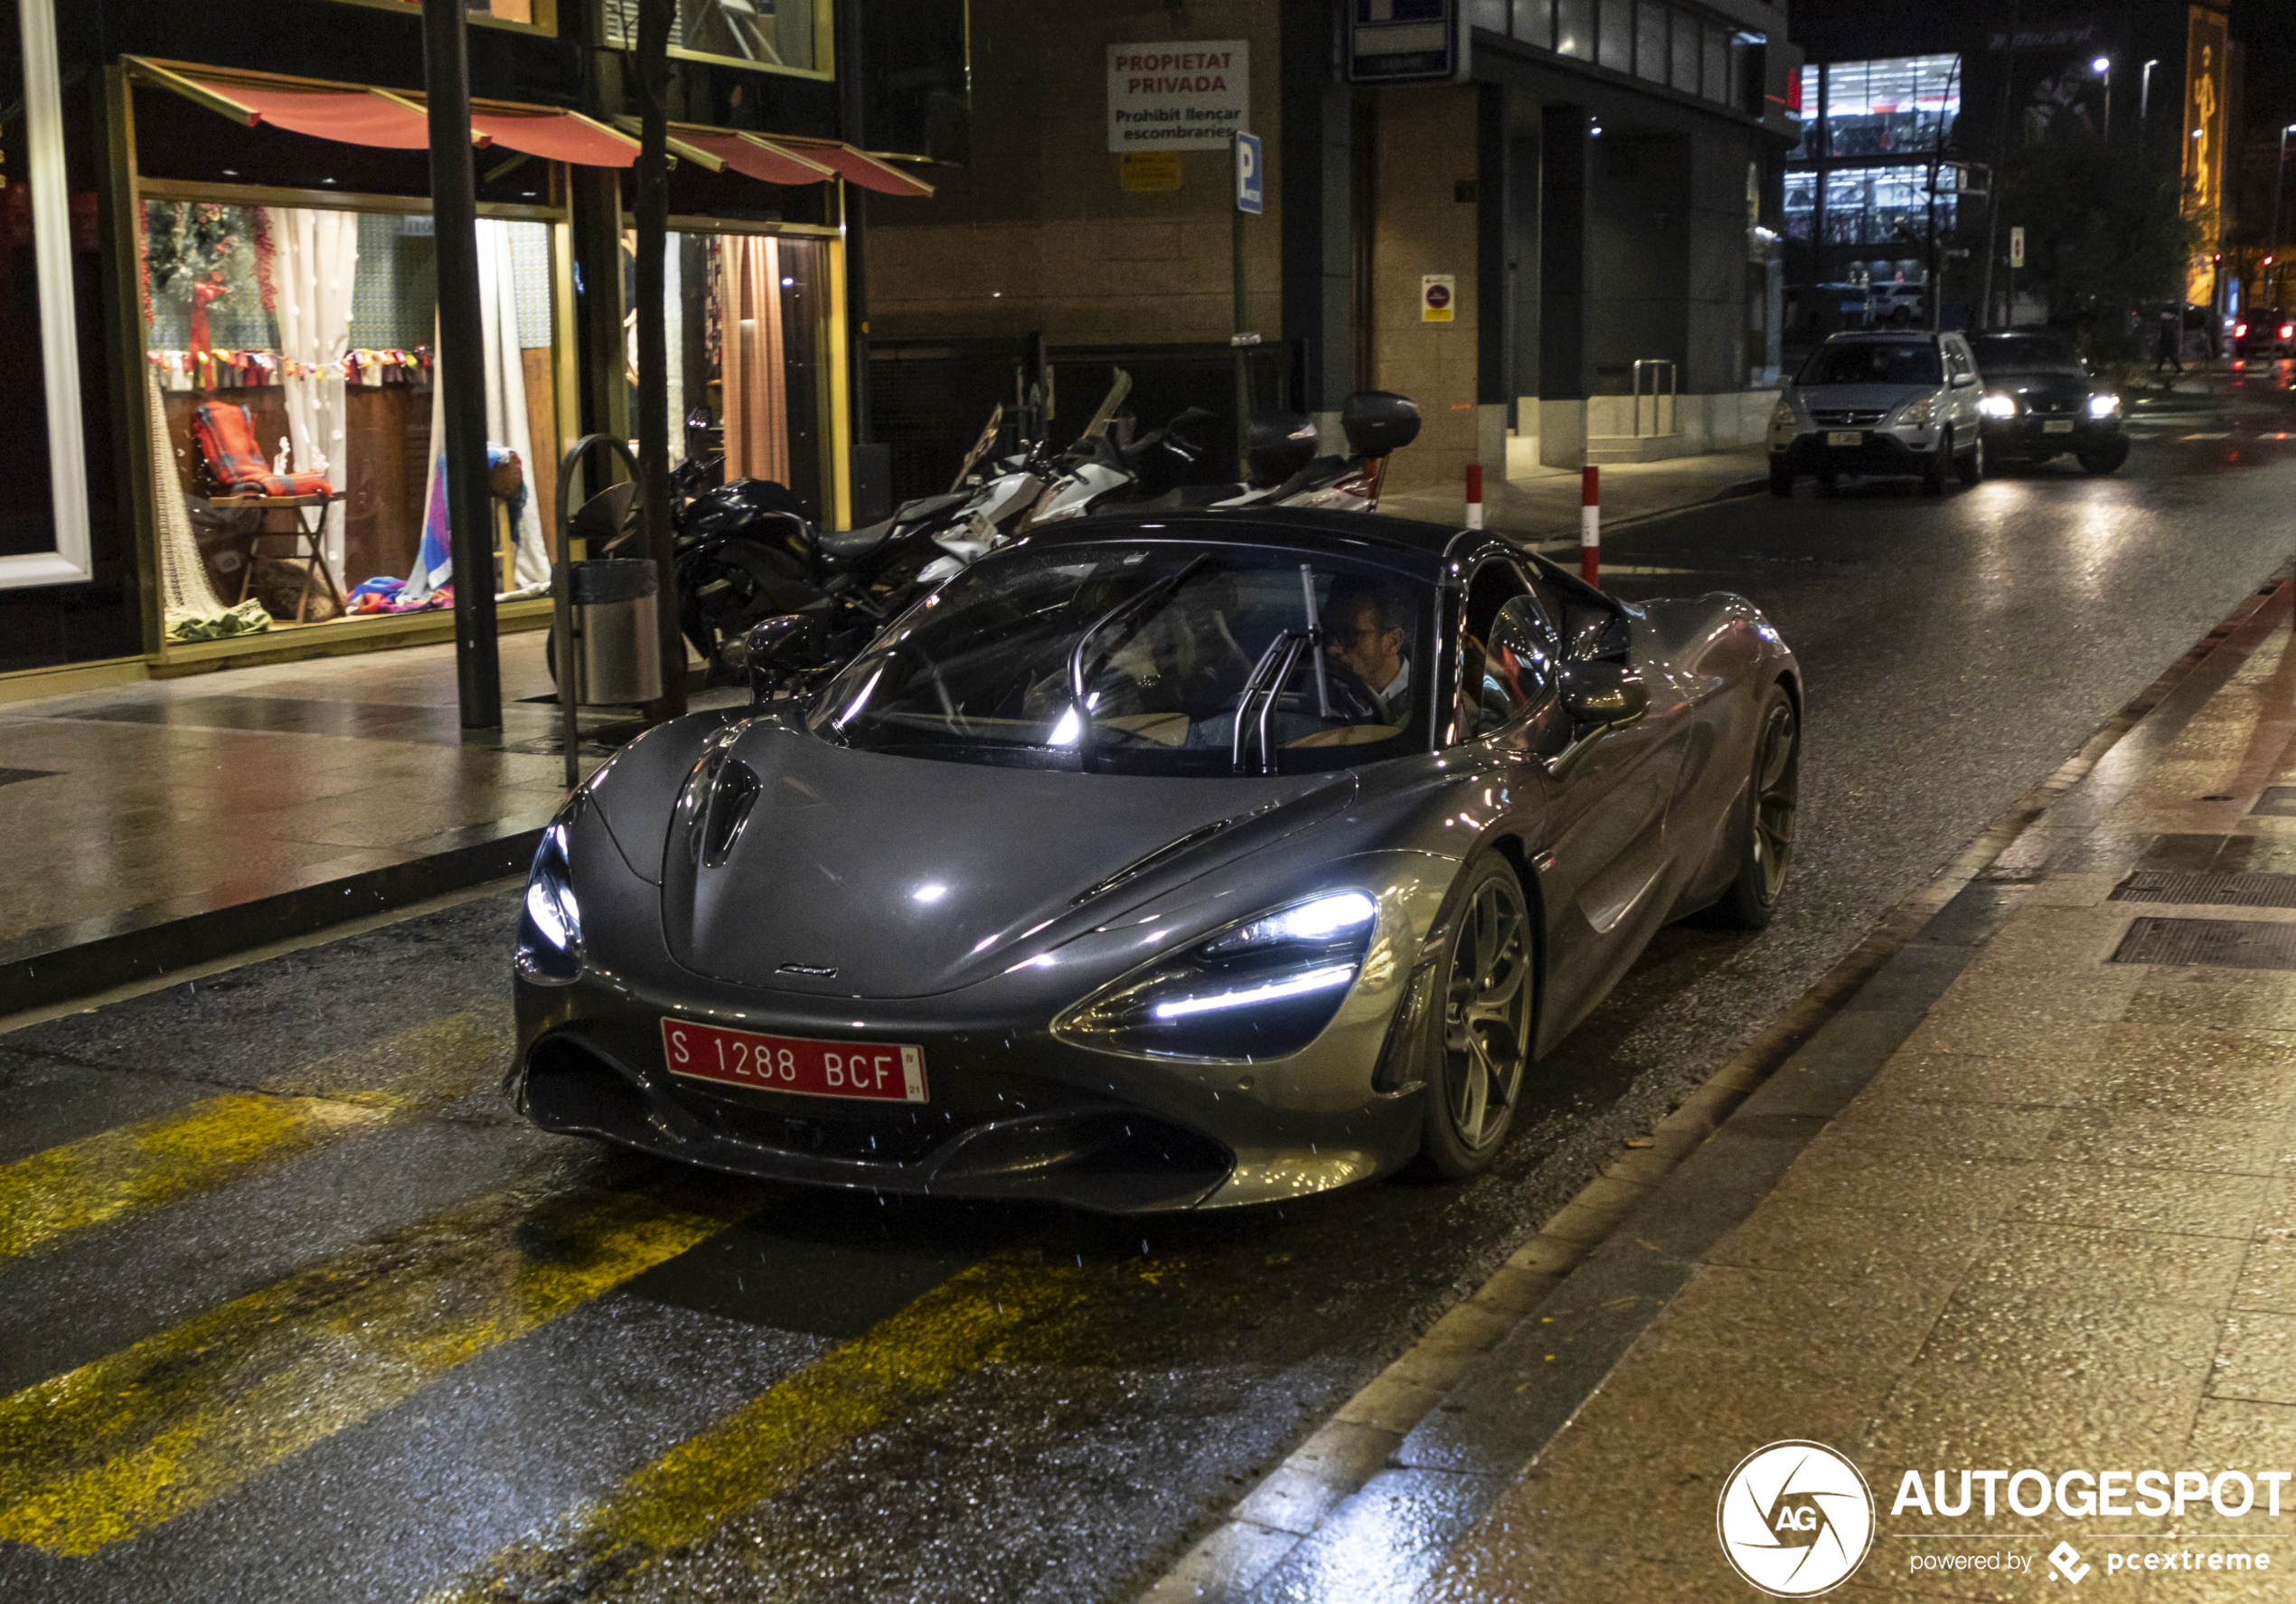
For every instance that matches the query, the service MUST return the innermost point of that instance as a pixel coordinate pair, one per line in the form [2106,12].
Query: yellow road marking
[109,1450]
[989,1312]
[154,1161]
[157,1161]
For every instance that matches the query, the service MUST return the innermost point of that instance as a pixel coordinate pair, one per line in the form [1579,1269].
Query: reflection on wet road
[291,1309]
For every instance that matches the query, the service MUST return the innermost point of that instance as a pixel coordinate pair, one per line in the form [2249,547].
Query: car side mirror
[1962,380]
[1602,692]
[793,643]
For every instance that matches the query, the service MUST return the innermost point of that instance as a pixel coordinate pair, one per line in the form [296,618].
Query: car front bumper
[2028,434]
[1013,1112]
[1878,450]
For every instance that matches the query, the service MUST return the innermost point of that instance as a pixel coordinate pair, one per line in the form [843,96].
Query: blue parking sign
[1249,196]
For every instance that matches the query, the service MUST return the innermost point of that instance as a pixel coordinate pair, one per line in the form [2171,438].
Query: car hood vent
[909,877]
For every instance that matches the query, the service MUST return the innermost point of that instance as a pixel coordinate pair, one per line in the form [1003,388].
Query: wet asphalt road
[290,1308]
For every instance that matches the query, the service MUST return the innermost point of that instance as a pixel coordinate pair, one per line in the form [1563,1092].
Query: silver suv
[1901,401]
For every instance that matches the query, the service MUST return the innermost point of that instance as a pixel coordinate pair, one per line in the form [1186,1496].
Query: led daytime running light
[1322,979]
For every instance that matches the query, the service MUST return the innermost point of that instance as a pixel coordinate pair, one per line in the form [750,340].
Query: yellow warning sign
[1151,172]
[1438,294]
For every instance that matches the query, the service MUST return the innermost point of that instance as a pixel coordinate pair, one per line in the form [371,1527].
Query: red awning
[857,167]
[351,116]
[393,119]
[753,157]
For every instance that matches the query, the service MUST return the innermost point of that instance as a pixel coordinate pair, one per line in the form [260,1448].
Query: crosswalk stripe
[103,1453]
[152,1162]
[160,1160]
[766,1445]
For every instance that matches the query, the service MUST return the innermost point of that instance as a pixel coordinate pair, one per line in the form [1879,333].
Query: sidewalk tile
[1945,1130]
[2256,1358]
[2114,1135]
[2191,1202]
[2102,1265]
[2215,1000]
[1982,1078]
[1817,1239]
[2268,1268]
[1918,1185]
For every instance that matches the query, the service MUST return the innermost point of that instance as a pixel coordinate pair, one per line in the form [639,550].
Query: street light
[2279,175]
[2145,94]
[2103,68]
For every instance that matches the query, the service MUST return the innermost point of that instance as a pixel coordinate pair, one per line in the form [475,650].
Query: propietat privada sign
[1178,94]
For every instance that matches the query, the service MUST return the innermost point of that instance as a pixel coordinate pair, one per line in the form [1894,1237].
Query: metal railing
[1662,401]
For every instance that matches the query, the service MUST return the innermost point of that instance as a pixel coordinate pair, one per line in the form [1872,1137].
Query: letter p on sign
[2017,248]
[1249,193]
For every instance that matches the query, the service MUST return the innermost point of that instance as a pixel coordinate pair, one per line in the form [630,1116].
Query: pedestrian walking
[2171,346]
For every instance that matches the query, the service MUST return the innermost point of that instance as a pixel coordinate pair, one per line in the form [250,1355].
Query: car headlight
[1782,415]
[1915,413]
[2104,406]
[549,924]
[1261,989]
[1997,405]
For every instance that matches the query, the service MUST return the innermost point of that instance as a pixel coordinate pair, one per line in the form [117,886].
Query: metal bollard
[1590,524]
[1475,496]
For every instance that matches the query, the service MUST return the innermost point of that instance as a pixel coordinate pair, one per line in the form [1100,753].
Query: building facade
[219,266]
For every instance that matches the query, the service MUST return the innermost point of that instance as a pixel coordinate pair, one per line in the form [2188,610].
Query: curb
[1450,1424]
[59,974]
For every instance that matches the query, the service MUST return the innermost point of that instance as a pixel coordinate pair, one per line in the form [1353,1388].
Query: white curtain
[506,419]
[317,262]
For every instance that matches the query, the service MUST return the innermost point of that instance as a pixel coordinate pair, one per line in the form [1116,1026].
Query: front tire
[2106,458]
[1932,473]
[1478,1042]
[1781,483]
[1971,468]
[1767,844]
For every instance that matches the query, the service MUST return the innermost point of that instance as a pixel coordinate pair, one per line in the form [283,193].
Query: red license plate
[871,1070]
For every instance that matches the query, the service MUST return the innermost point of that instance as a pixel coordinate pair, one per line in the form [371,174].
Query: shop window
[541,17]
[314,329]
[1717,83]
[748,342]
[778,35]
[1488,13]
[1801,204]
[1535,22]
[1892,107]
[1686,52]
[1575,28]
[1805,103]
[1879,205]
[1616,41]
[1650,40]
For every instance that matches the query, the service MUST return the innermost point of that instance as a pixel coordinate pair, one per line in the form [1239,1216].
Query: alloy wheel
[1486,1023]
[1777,784]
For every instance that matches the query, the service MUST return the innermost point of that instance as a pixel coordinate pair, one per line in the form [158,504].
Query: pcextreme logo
[1795,1519]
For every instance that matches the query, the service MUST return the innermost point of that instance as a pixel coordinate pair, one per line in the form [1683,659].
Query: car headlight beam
[1263,987]
[1997,405]
[2104,406]
[549,925]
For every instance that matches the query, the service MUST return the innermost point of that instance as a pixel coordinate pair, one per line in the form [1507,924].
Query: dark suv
[2041,401]
[2263,331]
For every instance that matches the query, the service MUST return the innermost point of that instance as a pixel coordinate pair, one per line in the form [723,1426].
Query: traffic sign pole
[1249,199]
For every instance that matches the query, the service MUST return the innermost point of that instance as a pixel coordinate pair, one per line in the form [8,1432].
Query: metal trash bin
[615,632]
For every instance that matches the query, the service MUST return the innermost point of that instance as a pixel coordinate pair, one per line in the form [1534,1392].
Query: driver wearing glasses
[1366,634]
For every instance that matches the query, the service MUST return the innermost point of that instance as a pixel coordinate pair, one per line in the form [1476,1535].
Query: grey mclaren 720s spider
[1155,863]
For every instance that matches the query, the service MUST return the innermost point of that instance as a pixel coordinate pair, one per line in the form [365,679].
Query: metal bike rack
[1663,403]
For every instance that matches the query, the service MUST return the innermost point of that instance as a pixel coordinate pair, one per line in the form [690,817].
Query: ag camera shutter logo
[1795,1519]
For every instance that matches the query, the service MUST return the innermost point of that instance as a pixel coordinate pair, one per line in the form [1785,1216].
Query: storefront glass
[289,351]
[1879,205]
[1892,107]
[748,356]
[788,35]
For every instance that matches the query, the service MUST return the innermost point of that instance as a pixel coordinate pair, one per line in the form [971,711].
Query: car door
[1595,832]
[1962,389]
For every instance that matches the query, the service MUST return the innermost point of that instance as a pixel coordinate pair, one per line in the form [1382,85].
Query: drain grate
[2229,890]
[2277,802]
[2224,943]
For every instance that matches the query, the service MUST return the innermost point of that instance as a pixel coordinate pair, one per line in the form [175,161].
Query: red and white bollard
[1475,496]
[1590,524]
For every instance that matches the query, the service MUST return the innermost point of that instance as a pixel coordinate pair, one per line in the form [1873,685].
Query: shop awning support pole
[461,383]
[650,204]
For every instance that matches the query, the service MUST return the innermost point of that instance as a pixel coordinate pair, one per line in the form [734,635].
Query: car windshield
[1190,660]
[2026,354]
[1872,361]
